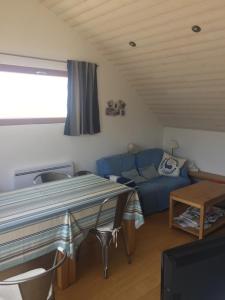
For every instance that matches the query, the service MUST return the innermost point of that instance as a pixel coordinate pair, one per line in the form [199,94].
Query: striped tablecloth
[35,221]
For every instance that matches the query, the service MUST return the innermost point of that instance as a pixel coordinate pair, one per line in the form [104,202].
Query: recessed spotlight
[132,44]
[196,28]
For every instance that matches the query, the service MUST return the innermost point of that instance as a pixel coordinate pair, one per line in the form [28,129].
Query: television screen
[195,271]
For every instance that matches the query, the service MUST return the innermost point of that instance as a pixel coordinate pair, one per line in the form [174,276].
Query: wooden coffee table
[201,195]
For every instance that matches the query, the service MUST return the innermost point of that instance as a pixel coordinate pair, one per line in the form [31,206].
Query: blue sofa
[154,193]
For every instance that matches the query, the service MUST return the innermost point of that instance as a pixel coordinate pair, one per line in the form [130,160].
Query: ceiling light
[132,44]
[196,28]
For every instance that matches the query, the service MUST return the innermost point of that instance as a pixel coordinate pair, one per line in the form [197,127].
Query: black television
[194,271]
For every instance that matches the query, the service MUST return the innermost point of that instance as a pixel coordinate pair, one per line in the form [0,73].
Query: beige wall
[205,148]
[29,29]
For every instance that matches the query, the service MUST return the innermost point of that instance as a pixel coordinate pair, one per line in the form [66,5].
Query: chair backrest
[50,176]
[35,284]
[81,173]
[121,203]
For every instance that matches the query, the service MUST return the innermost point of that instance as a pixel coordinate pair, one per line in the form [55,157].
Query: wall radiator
[24,178]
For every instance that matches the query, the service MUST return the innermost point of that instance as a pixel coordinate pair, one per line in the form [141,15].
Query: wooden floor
[140,280]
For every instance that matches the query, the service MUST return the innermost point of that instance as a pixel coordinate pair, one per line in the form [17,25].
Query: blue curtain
[82,103]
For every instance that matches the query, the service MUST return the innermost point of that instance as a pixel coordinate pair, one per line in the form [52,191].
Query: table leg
[130,235]
[66,274]
[202,222]
[171,212]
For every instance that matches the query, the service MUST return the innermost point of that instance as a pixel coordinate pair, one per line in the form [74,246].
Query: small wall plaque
[115,108]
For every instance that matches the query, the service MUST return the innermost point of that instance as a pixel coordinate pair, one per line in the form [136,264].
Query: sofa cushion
[116,164]
[134,175]
[170,165]
[171,183]
[149,157]
[154,194]
[149,172]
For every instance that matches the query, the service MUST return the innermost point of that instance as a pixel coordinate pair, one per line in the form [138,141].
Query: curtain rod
[33,57]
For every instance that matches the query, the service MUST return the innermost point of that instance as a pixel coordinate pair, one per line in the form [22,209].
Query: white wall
[28,28]
[205,148]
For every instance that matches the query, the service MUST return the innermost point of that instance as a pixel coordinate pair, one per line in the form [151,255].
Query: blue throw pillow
[149,172]
[134,175]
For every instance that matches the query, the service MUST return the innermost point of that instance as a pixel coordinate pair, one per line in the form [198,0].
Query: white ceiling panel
[178,73]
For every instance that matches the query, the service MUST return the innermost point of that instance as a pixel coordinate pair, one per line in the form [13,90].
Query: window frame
[35,71]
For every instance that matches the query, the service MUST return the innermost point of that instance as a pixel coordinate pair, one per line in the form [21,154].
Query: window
[31,95]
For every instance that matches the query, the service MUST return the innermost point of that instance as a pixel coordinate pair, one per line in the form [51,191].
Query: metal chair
[50,176]
[36,284]
[81,173]
[108,232]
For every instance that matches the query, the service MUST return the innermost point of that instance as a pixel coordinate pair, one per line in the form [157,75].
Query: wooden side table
[201,195]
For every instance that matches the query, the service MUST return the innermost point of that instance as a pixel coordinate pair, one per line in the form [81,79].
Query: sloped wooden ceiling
[179,73]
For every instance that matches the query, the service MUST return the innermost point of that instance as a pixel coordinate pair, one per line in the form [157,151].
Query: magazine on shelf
[191,216]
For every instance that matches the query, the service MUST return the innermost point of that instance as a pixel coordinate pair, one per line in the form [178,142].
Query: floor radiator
[24,177]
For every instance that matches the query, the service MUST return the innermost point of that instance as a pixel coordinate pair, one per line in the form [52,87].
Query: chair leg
[52,297]
[77,254]
[105,238]
[129,258]
[105,259]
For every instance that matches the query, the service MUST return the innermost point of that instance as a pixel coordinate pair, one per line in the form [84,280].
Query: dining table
[35,221]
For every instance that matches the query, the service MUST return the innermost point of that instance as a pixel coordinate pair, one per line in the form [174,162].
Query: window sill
[8,122]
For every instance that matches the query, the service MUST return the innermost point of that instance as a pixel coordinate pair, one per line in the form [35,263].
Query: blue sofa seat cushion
[155,193]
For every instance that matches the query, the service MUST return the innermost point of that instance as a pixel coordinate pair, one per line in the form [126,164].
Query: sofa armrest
[184,172]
